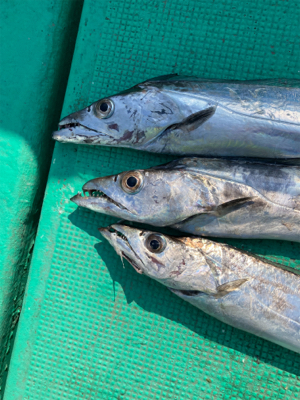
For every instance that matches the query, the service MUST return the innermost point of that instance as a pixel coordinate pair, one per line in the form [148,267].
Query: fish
[238,288]
[192,116]
[205,197]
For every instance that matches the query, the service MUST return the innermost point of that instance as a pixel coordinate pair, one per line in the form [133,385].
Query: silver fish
[191,116]
[236,287]
[210,197]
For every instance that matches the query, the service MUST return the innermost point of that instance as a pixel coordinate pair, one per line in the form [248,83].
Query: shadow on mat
[90,221]
[140,288]
[181,312]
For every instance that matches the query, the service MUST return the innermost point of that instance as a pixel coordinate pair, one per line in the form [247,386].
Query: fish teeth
[71,125]
[97,193]
[92,193]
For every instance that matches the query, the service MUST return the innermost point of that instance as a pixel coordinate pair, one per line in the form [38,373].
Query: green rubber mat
[37,41]
[93,329]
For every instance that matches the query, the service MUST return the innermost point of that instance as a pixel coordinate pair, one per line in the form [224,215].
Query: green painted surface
[37,43]
[91,329]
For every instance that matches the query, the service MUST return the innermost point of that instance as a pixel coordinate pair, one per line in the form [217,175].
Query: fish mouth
[75,132]
[96,197]
[135,266]
[71,125]
[107,233]
[74,125]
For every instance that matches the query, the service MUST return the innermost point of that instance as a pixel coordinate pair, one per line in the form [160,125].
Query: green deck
[91,329]
[37,40]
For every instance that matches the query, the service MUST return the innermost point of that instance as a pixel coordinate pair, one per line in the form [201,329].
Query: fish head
[154,196]
[129,119]
[169,260]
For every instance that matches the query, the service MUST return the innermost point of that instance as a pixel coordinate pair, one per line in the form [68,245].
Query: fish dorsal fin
[285,267]
[159,78]
[139,86]
[279,82]
[272,263]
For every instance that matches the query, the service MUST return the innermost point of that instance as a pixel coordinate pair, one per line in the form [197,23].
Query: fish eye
[155,243]
[132,182]
[104,108]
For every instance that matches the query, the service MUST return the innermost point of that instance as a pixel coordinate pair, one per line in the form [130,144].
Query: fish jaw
[116,235]
[71,130]
[98,201]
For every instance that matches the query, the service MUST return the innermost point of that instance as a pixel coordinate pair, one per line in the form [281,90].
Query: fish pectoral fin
[229,287]
[218,211]
[222,290]
[231,206]
[190,123]
[193,121]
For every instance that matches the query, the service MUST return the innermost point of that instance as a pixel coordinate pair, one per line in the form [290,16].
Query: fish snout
[111,236]
[56,136]
[73,119]
[105,232]
[103,184]
[67,121]
[93,184]
[64,128]
[78,199]
[66,132]
[100,185]
[73,129]
[123,229]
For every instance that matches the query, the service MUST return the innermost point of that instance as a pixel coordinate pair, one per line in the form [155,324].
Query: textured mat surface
[92,329]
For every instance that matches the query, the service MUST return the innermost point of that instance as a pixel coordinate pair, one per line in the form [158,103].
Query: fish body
[210,197]
[191,116]
[236,287]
